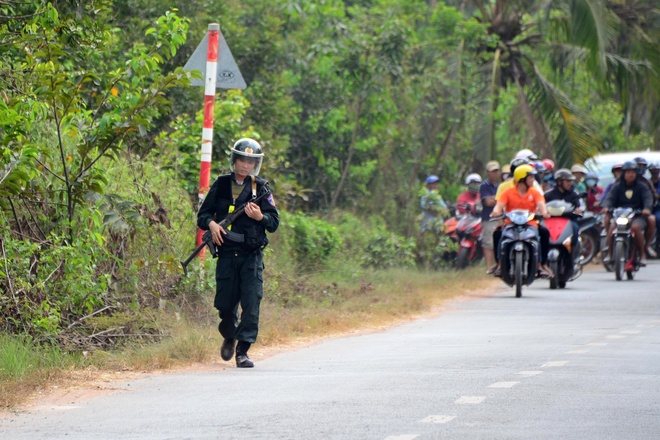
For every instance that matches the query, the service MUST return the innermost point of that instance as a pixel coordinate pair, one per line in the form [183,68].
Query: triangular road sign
[228,76]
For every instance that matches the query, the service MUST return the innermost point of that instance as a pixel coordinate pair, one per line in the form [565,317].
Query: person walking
[239,269]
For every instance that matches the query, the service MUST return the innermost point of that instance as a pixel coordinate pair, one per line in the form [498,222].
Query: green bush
[312,242]
[387,250]
[48,284]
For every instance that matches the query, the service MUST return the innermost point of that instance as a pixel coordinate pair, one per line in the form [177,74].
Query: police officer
[565,191]
[239,270]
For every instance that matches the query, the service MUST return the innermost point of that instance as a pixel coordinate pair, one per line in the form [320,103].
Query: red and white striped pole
[209,104]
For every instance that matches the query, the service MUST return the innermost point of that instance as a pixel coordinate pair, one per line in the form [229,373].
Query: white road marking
[529,373]
[554,364]
[630,332]
[503,385]
[597,344]
[403,437]
[470,400]
[615,336]
[581,351]
[438,419]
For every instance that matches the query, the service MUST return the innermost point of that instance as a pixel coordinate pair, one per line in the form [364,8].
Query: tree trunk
[349,157]
[536,126]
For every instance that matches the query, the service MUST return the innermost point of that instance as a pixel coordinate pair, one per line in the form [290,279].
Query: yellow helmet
[522,172]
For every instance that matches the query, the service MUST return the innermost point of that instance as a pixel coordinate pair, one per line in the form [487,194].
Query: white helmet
[526,153]
[474,177]
[577,168]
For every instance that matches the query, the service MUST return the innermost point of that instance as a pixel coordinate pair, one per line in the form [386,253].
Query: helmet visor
[244,163]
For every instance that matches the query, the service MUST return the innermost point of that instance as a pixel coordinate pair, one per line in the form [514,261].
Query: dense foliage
[355,103]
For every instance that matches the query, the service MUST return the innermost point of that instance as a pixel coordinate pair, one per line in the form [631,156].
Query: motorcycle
[590,226]
[519,250]
[625,256]
[468,236]
[565,261]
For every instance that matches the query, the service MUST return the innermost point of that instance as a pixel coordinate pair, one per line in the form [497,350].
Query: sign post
[220,71]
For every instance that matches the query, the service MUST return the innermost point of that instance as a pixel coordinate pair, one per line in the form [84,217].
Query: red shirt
[593,196]
[466,198]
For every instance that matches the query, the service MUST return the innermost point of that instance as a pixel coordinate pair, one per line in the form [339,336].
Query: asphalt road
[577,363]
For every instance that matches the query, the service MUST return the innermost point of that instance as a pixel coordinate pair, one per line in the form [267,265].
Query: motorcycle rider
[519,160]
[524,196]
[566,192]
[579,172]
[629,192]
[506,172]
[616,173]
[548,179]
[642,165]
[594,193]
[654,169]
[515,163]
[468,199]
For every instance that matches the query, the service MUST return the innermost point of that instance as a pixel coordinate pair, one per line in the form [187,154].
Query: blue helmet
[431,179]
[629,165]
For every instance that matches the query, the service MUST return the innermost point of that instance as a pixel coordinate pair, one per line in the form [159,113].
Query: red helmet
[549,164]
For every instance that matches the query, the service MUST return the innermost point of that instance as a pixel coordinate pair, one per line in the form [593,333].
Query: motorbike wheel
[619,255]
[589,247]
[554,280]
[519,274]
[463,259]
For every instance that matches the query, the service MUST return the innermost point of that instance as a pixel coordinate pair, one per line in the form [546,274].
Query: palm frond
[587,24]
[575,135]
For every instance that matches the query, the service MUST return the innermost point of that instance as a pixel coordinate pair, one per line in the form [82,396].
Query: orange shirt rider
[512,199]
[523,196]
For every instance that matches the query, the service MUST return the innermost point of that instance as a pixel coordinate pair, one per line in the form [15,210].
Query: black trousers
[239,280]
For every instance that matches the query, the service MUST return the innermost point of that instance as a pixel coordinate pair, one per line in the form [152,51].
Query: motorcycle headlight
[621,221]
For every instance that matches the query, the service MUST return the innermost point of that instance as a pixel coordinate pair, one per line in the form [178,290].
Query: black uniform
[239,270]
[636,196]
[571,197]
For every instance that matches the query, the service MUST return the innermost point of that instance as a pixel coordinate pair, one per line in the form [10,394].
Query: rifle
[207,238]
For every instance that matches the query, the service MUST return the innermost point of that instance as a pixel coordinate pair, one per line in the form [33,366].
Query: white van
[602,164]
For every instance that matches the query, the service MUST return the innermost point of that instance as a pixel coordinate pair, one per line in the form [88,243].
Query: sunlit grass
[24,367]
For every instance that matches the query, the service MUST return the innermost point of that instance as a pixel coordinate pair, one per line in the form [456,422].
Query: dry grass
[310,312]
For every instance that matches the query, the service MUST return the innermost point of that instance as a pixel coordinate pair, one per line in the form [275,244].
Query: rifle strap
[254,187]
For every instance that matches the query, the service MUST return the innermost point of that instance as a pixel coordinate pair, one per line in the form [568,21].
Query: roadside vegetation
[355,104]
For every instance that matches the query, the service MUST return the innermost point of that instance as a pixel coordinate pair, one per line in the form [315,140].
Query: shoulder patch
[271,199]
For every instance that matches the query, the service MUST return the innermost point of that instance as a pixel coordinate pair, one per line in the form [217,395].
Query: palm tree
[526,33]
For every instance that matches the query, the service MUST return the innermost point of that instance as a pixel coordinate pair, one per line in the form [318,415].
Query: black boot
[227,349]
[242,359]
